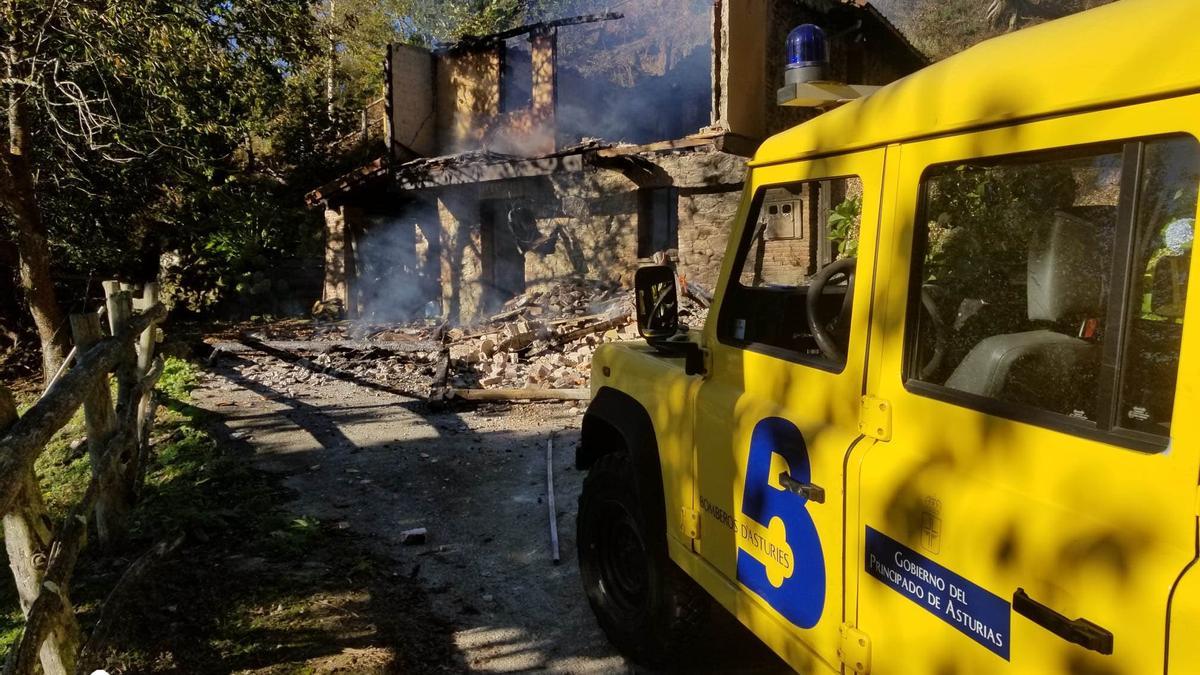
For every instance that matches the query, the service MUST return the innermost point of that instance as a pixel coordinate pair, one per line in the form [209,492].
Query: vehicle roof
[1125,51]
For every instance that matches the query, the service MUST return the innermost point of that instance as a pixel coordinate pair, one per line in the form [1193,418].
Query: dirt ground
[375,464]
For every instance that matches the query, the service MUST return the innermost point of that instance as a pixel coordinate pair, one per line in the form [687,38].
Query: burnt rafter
[643,172]
[357,178]
[482,167]
[487,41]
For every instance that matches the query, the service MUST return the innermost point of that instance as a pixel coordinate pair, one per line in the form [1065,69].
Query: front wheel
[645,604]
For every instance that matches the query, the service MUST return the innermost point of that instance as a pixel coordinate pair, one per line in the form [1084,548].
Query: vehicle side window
[1162,253]
[1034,272]
[795,232]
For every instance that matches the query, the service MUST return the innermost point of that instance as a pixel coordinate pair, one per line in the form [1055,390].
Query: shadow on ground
[366,466]
[255,588]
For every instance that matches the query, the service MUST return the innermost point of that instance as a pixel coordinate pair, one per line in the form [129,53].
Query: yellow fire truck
[942,425]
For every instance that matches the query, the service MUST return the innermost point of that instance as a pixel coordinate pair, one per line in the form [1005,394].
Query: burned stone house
[580,148]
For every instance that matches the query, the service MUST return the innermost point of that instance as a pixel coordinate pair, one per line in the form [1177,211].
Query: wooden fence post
[42,570]
[147,340]
[130,393]
[149,367]
[112,505]
[27,540]
[119,301]
[118,314]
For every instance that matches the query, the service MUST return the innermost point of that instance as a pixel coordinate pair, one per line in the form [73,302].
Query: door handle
[1078,631]
[811,492]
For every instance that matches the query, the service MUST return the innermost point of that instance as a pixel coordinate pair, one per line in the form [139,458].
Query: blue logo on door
[780,559]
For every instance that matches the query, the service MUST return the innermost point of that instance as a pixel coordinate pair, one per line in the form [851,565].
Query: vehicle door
[779,408]
[1034,502]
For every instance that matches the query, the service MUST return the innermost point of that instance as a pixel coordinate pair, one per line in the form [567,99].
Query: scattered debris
[413,537]
[537,347]
[527,394]
[696,293]
[540,340]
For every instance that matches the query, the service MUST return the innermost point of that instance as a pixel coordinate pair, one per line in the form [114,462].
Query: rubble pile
[539,343]
[541,339]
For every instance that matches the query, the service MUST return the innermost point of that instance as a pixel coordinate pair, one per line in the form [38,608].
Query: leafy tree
[120,104]
[138,127]
[450,20]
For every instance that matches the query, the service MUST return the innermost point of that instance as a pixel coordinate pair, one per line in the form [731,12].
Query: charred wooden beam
[521,394]
[490,40]
[690,143]
[466,170]
[323,346]
[347,182]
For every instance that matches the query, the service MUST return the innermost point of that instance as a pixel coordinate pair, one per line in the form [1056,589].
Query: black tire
[646,605]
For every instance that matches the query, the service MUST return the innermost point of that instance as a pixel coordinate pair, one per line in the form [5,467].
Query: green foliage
[64,472]
[361,31]
[843,226]
[295,537]
[981,220]
[178,378]
[135,156]
[199,125]
[449,20]
[941,28]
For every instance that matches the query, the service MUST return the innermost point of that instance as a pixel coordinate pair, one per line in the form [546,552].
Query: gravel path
[379,464]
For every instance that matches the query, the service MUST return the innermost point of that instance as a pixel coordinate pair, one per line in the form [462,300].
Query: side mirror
[657,302]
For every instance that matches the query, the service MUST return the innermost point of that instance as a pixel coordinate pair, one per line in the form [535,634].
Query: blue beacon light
[807,48]
[806,82]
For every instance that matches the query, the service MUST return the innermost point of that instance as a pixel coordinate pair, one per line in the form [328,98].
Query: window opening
[516,75]
[793,288]
[658,220]
[1040,275]
[1164,229]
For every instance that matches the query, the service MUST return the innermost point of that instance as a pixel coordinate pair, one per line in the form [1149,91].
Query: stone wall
[468,94]
[461,252]
[468,110]
[591,222]
[412,105]
[739,73]
[586,225]
[710,191]
[778,262]
[340,225]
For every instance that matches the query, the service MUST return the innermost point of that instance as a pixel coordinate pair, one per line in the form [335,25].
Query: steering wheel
[939,333]
[828,334]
